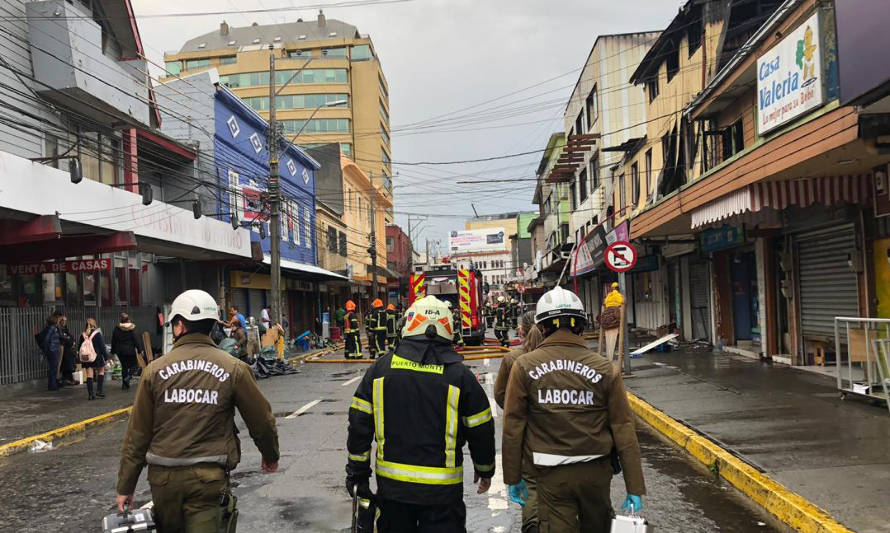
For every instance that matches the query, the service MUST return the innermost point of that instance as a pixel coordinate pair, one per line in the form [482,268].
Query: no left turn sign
[621,256]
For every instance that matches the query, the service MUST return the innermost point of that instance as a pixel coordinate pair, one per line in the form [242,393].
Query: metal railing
[21,359]
[859,336]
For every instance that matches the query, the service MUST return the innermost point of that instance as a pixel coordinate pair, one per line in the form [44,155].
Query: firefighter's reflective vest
[420,411]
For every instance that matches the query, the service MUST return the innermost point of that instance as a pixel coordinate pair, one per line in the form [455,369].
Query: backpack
[87,350]
[40,337]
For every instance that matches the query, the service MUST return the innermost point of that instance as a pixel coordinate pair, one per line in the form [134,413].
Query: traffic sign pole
[621,256]
[622,286]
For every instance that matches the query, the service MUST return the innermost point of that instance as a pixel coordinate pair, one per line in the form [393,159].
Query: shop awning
[312,271]
[778,195]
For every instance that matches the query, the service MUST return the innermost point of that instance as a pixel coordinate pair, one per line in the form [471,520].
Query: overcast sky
[440,58]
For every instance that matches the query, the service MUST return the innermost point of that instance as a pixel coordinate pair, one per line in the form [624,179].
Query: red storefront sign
[83,265]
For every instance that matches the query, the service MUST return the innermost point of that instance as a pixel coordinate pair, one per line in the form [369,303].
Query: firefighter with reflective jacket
[567,412]
[376,325]
[183,426]
[352,332]
[514,314]
[502,322]
[392,327]
[489,315]
[420,404]
[456,326]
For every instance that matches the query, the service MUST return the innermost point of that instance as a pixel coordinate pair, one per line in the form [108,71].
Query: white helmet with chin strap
[427,318]
[561,304]
[194,305]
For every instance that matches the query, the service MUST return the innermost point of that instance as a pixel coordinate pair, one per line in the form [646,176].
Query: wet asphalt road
[71,487]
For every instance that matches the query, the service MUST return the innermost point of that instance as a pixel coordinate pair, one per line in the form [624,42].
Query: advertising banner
[54,267]
[477,240]
[789,77]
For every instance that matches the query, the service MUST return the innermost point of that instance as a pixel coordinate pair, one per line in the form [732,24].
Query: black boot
[90,396]
[125,378]
[100,380]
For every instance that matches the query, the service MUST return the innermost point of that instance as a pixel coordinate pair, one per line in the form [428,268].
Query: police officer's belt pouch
[630,524]
[138,520]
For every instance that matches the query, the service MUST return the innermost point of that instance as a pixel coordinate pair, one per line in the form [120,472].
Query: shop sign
[250,280]
[618,233]
[55,267]
[589,254]
[716,239]
[789,77]
[647,263]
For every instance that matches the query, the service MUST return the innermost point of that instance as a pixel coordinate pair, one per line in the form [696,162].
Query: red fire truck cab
[463,288]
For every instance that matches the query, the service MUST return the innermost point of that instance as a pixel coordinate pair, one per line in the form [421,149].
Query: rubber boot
[90,395]
[100,380]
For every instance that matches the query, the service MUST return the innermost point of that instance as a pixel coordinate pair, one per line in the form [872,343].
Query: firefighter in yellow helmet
[376,325]
[419,457]
[352,332]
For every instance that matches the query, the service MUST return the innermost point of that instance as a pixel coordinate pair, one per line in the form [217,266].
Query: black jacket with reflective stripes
[420,405]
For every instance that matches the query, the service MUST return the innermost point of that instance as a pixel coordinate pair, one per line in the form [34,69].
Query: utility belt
[228,509]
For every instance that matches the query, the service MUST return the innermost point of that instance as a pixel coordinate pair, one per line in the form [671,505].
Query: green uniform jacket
[566,404]
[184,412]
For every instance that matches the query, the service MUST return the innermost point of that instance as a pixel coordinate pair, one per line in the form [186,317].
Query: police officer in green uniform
[183,426]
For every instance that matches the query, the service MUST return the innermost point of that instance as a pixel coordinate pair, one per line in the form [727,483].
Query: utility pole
[373,248]
[274,197]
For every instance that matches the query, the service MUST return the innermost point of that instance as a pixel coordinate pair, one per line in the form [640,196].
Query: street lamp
[335,103]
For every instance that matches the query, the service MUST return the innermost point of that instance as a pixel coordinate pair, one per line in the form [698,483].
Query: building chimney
[321,20]
[223,28]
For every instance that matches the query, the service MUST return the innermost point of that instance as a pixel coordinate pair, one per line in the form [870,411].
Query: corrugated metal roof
[289,32]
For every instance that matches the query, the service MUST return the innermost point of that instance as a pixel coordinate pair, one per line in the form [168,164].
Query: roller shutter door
[828,288]
[700,279]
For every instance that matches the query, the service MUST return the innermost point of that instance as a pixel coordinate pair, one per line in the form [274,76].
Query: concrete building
[399,260]
[337,90]
[554,215]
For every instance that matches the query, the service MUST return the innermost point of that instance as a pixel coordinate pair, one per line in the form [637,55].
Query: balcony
[73,71]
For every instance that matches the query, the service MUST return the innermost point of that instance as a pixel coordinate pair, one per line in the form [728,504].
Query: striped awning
[829,190]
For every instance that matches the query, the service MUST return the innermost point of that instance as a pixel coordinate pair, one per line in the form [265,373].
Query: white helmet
[194,305]
[501,299]
[512,300]
[425,312]
[449,303]
[559,302]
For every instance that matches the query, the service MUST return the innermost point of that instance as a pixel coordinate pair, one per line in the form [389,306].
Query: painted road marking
[497,499]
[351,381]
[303,409]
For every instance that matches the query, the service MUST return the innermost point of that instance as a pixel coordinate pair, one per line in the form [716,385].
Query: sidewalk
[790,424]
[29,409]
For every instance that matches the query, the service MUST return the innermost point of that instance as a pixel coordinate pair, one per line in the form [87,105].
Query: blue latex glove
[518,492]
[632,503]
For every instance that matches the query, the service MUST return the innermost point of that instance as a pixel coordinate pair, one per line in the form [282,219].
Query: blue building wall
[241,152]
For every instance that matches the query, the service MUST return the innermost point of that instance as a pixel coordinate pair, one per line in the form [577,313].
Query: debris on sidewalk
[669,339]
[40,446]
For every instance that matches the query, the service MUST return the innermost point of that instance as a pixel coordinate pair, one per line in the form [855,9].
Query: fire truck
[463,288]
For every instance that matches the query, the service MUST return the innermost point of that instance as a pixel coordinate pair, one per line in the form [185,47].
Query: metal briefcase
[129,521]
[630,524]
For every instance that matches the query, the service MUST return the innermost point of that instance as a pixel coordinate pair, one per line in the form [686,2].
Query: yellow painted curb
[65,431]
[787,506]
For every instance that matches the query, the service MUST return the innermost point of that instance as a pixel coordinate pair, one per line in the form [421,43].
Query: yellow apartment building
[337,92]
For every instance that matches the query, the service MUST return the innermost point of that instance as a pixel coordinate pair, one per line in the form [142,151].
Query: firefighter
[392,323]
[456,325]
[514,315]
[566,407]
[376,325]
[183,425]
[489,314]
[502,322]
[352,332]
[420,404]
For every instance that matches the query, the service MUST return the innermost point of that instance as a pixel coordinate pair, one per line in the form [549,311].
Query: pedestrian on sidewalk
[69,359]
[51,351]
[183,426]
[125,345]
[610,319]
[93,355]
[532,338]
[428,392]
[566,405]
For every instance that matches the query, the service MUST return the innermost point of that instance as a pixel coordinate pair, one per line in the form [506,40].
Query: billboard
[789,77]
[478,240]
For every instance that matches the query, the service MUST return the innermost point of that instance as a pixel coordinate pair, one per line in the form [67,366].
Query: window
[361,52]
[673,63]
[650,186]
[732,139]
[298,101]
[652,87]
[342,244]
[622,193]
[595,172]
[579,123]
[582,185]
[228,60]
[382,85]
[173,67]
[564,232]
[390,246]
[305,54]
[284,220]
[332,239]
[308,224]
[347,149]
[383,112]
[591,106]
[333,52]
[635,178]
[384,134]
[258,79]
[574,194]
[193,64]
[316,125]
[694,35]
[385,158]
